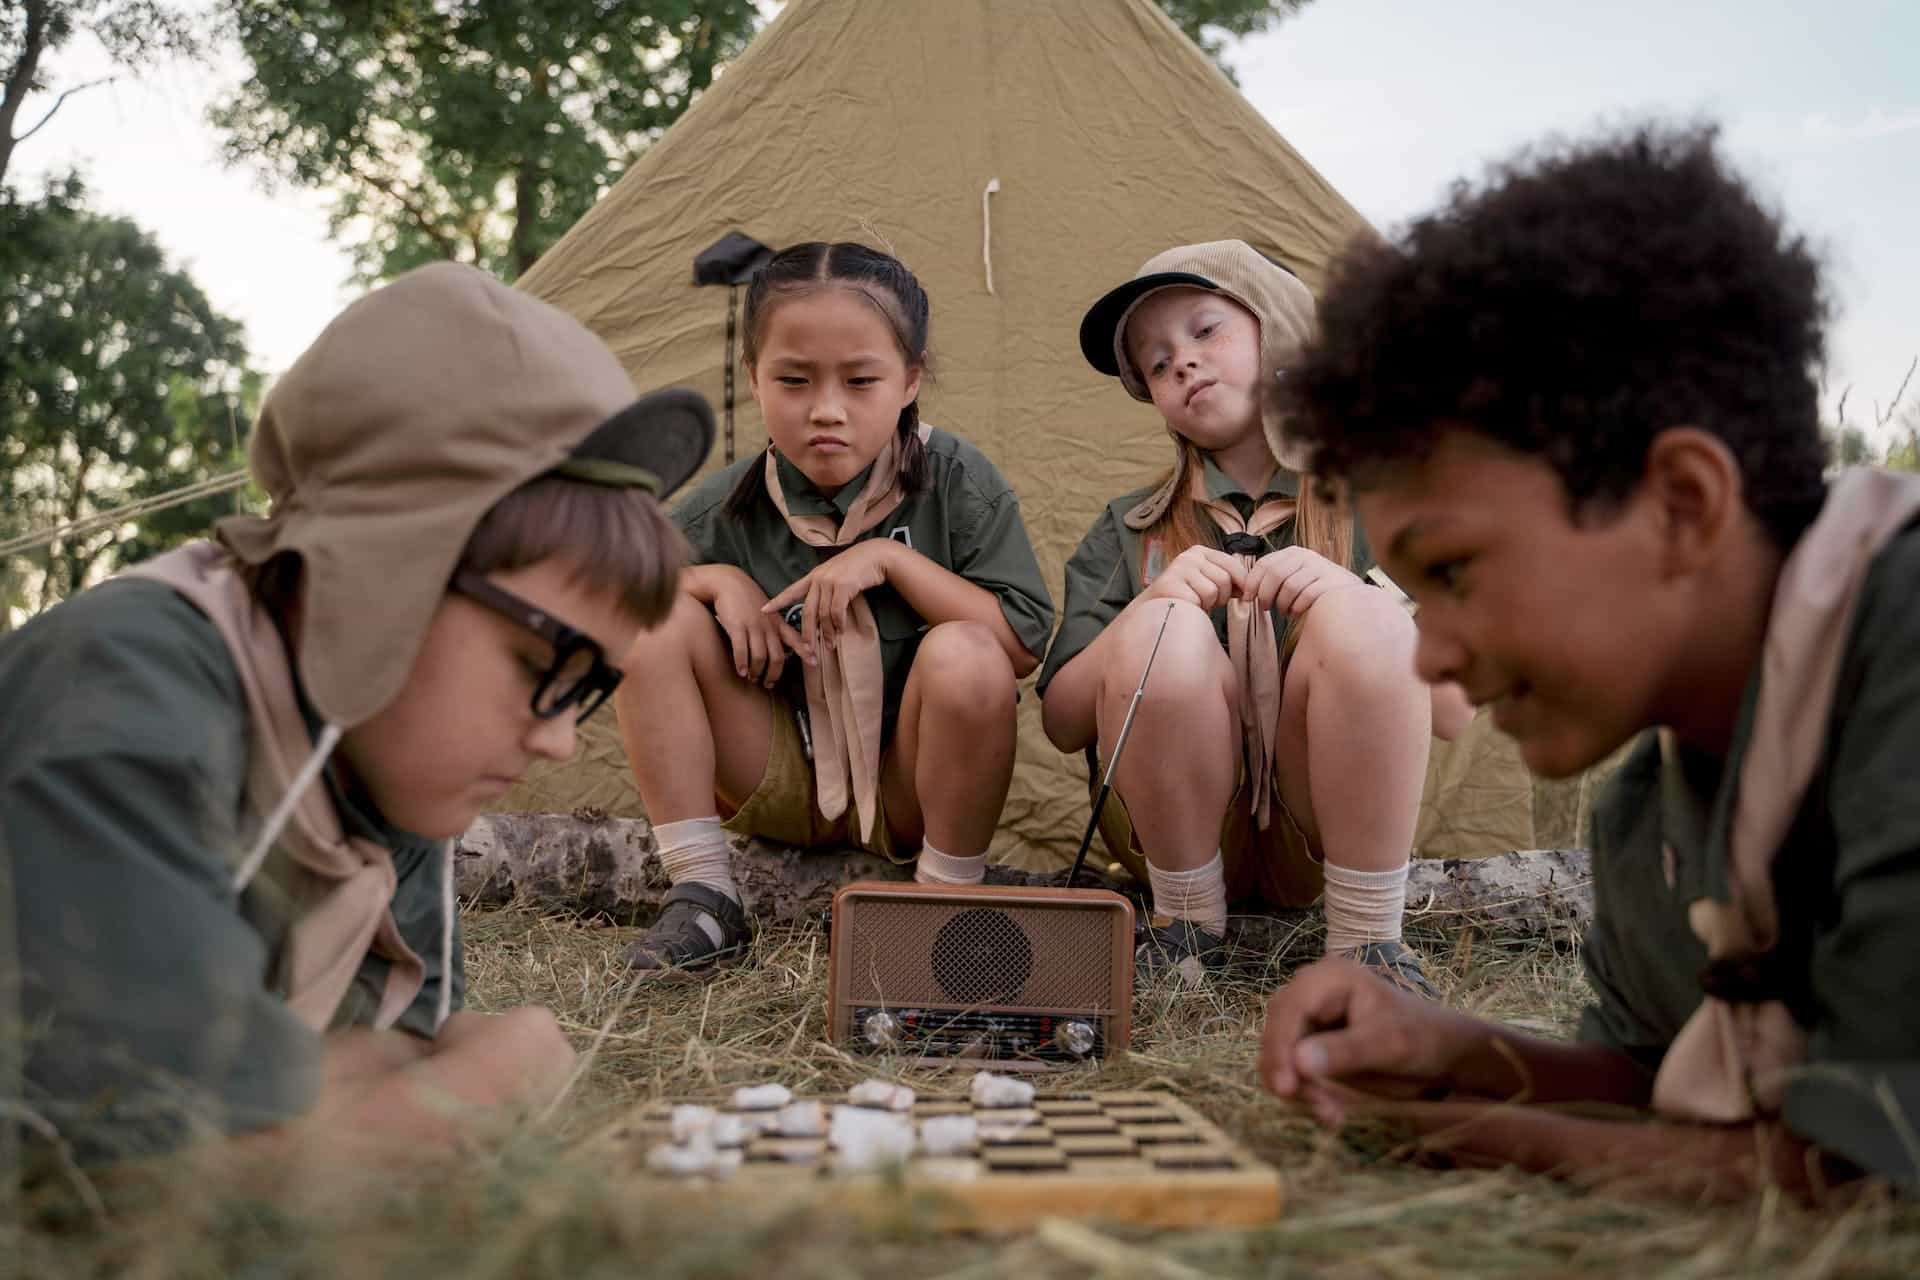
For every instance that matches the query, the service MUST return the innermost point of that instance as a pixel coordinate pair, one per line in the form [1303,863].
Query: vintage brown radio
[1012,975]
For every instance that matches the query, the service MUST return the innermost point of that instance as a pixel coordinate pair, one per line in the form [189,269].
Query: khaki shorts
[1278,865]
[785,807]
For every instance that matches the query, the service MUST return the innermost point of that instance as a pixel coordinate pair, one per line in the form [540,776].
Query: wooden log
[593,865]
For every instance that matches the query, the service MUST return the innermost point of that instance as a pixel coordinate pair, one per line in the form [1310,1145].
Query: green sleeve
[1861,1089]
[143,986]
[1099,585]
[701,515]
[994,552]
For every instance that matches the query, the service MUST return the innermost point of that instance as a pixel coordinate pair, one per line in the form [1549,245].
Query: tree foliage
[118,381]
[480,130]
[133,32]
[476,130]
[1209,23]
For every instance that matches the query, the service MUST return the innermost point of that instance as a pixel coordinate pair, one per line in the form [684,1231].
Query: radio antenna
[1119,745]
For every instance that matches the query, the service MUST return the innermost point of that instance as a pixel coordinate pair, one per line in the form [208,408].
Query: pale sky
[1390,99]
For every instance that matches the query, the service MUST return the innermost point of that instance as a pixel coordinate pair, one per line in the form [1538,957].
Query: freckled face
[831,382]
[461,730]
[1199,354]
[1546,619]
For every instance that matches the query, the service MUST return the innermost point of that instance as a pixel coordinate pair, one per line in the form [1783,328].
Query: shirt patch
[900,533]
[1153,560]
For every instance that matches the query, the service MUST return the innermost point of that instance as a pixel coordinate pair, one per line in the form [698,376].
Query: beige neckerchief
[1250,643]
[846,691]
[344,887]
[1729,1062]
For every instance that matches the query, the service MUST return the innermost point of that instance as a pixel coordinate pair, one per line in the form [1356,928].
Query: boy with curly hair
[1578,412]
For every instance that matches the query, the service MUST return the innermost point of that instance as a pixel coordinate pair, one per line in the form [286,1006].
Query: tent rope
[986,228]
[125,512]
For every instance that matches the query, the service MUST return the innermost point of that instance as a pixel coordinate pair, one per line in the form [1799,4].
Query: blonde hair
[1322,522]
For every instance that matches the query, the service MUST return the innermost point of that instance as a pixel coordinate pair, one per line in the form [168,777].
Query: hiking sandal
[1398,964]
[676,944]
[1166,947]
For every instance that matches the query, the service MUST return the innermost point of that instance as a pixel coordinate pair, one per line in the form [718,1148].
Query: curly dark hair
[1588,297]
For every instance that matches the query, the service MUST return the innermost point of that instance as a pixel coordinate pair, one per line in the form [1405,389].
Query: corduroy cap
[1279,302]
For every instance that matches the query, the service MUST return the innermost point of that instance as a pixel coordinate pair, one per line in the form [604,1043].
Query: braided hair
[884,282]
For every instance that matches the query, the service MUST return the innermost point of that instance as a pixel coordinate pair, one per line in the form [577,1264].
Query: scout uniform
[966,520]
[1114,563]
[189,914]
[1827,889]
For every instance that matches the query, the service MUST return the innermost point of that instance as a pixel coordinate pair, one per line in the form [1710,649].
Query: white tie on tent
[1021,158]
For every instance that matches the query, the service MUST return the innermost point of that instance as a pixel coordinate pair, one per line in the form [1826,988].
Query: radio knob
[1075,1037]
[880,1029]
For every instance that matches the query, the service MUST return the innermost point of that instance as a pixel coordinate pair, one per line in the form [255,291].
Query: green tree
[118,382]
[133,32]
[476,130]
[480,130]
[1903,451]
[1208,23]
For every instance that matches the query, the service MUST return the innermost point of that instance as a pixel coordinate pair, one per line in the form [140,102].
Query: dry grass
[536,1204]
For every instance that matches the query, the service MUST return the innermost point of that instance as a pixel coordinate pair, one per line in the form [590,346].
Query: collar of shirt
[1282,483]
[805,500]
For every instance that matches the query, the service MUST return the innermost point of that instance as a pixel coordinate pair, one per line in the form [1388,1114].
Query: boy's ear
[753,383]
[1693,480]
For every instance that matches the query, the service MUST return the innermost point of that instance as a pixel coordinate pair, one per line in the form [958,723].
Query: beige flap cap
[414,411]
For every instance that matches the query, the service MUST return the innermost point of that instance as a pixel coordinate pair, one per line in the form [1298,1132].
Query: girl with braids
[1293,733]
[839,668]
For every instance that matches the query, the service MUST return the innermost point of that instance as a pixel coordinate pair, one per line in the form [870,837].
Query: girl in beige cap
[230,779]
[1281,745]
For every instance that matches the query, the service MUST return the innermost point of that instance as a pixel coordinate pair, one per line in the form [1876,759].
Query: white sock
[1363,907]
[1199,895]
[696,850]
[935,867]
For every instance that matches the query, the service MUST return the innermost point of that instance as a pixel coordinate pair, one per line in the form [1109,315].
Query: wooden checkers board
[1141,1157]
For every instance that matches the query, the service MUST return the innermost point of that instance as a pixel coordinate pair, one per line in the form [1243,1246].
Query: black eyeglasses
[579,675]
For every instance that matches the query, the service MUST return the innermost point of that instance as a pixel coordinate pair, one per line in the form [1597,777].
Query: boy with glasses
[230,778]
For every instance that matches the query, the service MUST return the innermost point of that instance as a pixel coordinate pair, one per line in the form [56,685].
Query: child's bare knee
[1190,664]
[965,671]
[1361,638]
[687,635]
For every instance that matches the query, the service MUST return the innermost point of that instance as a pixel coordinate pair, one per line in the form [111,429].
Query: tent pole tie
[986,228]
[732,291]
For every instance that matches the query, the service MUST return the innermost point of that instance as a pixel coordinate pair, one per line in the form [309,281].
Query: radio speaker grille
[907,952]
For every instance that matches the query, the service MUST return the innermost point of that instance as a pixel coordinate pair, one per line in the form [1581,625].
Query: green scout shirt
[1107,569]
[1848,960]
[966,520]
[145,988]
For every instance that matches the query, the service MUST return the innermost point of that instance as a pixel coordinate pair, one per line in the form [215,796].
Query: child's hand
[1200,576]
[1292,578]
[759,641]
[832,587]
[1338,1025]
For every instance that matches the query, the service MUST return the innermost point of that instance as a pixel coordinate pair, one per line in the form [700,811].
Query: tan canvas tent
[1021,158]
